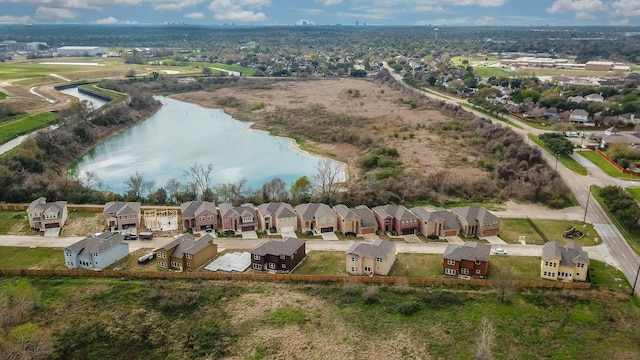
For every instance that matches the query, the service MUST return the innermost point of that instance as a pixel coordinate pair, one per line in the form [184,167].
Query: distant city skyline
[321,12]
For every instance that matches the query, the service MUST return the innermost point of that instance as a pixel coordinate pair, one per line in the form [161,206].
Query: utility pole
[557,157]
[584,220]
[633,289]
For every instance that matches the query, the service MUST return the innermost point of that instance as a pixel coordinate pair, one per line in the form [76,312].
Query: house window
[256,257]
[379,259]
[201,218]
[256,266]
[189,264]
[247,219]
[451,262]
[272,265]
[545,273]
[367,269]
[162,255]
[162,264]
[580,265]
[477,262]
[189,256]
[478,271]
[354,269]
[464,271]
[282,257]
[175,264]
[353,259]
[284,266]
[210,217]
[450,271]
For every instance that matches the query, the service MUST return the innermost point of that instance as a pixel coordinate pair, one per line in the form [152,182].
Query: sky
[322,12]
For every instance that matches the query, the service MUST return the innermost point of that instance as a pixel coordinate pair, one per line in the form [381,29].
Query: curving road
[616,251]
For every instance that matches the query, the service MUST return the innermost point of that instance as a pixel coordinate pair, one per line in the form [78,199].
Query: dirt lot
[386,120]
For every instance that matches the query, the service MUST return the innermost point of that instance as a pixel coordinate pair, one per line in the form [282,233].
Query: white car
[499,251]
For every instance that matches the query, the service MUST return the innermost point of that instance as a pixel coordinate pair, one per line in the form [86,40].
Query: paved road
[616,250]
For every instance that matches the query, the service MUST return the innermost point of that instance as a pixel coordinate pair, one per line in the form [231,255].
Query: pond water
[180,135]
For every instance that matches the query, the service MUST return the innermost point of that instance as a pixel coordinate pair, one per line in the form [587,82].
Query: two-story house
[186,253]
[396,219]
[476,221]
[375,258]
[96,252]
[470,259]
[316,217]
[359,220]
[564,262]
[122,215]
[199,215]
[238,218]
[438,222]
[43,215]
[278,255]
[277,217]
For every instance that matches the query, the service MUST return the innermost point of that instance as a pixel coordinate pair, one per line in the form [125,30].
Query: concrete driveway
[370,237]
[329,236]
[249,235]
[454,240]
[286,234]
[411,238]
[53,232]
[494,240]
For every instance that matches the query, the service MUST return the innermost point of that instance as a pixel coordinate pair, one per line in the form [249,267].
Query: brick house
[238,218]
[476,221]
[438,222]
[376,258]
[396,219]
[469,259]
[280,217]
[199,215]
[316,217]
[122,215]
[359,220]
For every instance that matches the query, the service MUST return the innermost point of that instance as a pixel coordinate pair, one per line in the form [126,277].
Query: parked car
[130,236]
[499,251]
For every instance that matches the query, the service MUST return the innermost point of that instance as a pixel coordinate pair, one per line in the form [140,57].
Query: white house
[580,117]
[96,252]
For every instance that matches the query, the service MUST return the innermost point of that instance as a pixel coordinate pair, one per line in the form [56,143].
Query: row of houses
[188,253]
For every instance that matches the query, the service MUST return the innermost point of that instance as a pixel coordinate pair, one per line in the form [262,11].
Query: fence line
[293,278]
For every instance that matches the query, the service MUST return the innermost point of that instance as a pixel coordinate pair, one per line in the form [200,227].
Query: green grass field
[569,162]
[323,263]
[635,192]
[605,166]
[512,229]
[13,219]
[12,129]
[31,258]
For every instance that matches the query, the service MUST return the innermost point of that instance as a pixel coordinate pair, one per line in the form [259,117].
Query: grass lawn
[519,267]
[604,165]
[16,257]
[569,162]
[417,265]
[511,229]
[489,71]
[11,129]
[323,263]
[635,192]
[13,221]
[608,277]
[553,229]
[130,263]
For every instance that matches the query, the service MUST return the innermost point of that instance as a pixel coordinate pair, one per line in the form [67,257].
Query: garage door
[368,231]
[248,228]
[408,231]
[326,229]
[51,226]
[287,229]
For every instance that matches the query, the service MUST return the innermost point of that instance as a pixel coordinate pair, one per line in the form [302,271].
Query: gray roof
[367,219]
[448,219]
[345,213]
[277,209]
[378,248]
[286,246]
[395,211]
[121,208]
[310,211]
[36,203]
[470,250]
[187,244]
[569,254]
[40,205]
[228,210]
[96,244]
[191,209]
[473,214]
[580,112]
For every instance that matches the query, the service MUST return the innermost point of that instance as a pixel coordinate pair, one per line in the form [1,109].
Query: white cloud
[428,8]
[580,15]
[623,22]
[81,4]
[109,20]
[626,8]
[577,6]
[482,3]
[15,19]
[54,13]
[329,2]
[486,20]
[236,10]
[174,4]
[197,15]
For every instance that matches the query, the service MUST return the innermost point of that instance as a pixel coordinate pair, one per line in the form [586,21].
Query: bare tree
[485,340]
[274,190]
[503,282]
[173,186]
[232,192]
[328,174]
[201,176]
[137,185]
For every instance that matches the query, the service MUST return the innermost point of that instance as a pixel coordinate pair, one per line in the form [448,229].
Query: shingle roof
[277,209]
[228,210]
[367,219]
[346,213]
[287,247]
[569,254]
[191,209]
[121,208]
[395,211]
[190,245]
[470,250]
[310,211]
[36,203]
[448,219]
[379,248]
[96,244]
[473,214]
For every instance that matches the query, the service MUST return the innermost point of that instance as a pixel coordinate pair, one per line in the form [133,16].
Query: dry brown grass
[83,226]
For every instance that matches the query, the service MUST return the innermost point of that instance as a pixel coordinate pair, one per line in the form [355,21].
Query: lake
[180,135]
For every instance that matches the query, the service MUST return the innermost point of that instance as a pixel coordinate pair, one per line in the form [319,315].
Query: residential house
[396,219]
[368,223]
[476,221]
[576,99]
[186,253]
[122,215]
[199,215]
[238,218]
[469,259]
[594,98]
[316,217]
[279,217]
[438,222]
[43,215]
[359,220]
[278,255]
[96,252]
[580,117]
[564,262]
[374,258]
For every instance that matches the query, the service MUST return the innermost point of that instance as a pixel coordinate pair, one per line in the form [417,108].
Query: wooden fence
[615,164]
[293,278]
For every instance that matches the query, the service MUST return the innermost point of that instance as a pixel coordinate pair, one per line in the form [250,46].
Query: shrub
[408,307]
[371,295]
